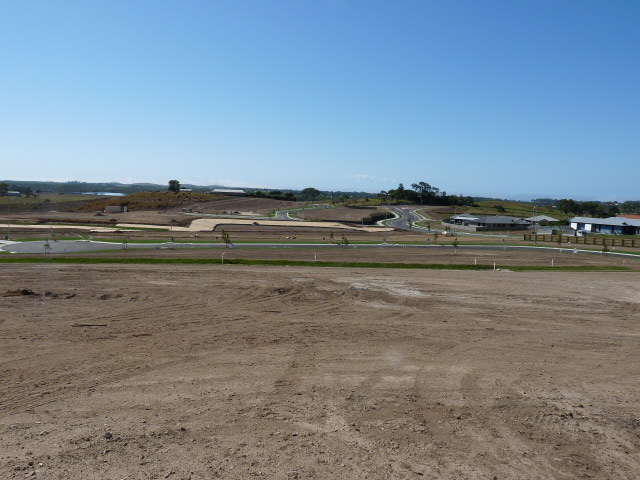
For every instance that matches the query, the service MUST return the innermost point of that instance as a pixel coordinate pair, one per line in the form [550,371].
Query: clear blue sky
[506,98]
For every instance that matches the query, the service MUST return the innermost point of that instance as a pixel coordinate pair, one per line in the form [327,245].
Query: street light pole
[535,231]
[455,214]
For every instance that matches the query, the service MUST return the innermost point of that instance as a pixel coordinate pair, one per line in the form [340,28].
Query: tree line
[425,194]
[597,209]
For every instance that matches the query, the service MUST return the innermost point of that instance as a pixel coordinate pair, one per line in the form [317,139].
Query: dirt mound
[18,292]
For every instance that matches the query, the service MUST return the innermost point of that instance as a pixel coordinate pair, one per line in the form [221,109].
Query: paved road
[407,216]
[80,246]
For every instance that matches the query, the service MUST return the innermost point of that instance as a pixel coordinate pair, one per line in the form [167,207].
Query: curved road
[407,216]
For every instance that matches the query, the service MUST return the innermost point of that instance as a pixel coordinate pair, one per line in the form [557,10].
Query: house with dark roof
[542,219]
[473,223]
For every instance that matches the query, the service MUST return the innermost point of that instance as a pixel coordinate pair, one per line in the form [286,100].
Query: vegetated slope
[514,209]
[339,214]
[44,202]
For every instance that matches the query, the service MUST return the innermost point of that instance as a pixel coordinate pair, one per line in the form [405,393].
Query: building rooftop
[227,190]
[619,221]
[491,219]
[542,218]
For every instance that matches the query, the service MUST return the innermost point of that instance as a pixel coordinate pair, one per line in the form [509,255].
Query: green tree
[310,193]
[567,205]
[174,186]
[4,188]
[225,238]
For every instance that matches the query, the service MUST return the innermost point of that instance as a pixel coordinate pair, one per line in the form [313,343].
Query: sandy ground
[281,373]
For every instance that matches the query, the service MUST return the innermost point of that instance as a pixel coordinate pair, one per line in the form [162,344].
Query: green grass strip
[305,263]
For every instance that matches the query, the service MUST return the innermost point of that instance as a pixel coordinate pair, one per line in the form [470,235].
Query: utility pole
[455,214]
[533,226]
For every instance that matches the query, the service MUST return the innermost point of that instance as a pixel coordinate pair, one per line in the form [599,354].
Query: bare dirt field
[246,205]
[281,373]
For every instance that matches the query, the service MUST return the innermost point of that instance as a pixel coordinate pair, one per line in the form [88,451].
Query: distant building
[611,225]
[186,190]
[229,192]
[12,193]
[542,219]
[495,222]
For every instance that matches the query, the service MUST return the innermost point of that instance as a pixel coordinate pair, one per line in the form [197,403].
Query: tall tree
[310,193]
[174,186]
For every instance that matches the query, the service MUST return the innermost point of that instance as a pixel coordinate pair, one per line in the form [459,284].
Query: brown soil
[255,206]
[246,372]
[219,206]
[143,216]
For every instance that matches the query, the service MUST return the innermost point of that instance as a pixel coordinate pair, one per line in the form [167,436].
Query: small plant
[435,238]
[331,236]
[344,241]
[225,238]
[605,247]
[455,246]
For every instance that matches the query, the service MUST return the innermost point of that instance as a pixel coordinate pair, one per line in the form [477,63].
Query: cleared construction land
[231,371]
[154,371]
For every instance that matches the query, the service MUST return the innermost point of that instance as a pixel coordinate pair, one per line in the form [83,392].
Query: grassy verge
[305,263]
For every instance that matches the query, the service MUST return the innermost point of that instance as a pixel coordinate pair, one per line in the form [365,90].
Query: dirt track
[246,372]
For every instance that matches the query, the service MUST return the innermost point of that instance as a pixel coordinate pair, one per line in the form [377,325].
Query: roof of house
[615,221]
[628,215]
[465,217]
[542,218]
[492,219]
[227,190]
[502,219]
